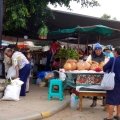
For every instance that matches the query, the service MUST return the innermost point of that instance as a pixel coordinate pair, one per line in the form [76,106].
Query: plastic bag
[108,81]
[12,91]
[11,72]
[62,76]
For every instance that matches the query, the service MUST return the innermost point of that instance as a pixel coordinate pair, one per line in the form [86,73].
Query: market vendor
[97,56]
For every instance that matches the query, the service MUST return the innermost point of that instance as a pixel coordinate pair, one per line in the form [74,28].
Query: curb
[56,108]
[51,111]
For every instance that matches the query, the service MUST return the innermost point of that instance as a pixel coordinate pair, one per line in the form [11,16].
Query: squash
[68,66]
[83,65]
[94,65]
[101,65]
[74,65]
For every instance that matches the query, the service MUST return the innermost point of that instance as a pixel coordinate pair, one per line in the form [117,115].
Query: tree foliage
[106,16]
[17,12]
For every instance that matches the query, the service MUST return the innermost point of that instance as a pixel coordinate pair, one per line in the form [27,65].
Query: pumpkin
[83,65]
[68,66]
[73,64]
[101,65]
[94,65]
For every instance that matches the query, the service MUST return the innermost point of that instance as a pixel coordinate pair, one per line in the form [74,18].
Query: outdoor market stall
[86,79]
[87,83]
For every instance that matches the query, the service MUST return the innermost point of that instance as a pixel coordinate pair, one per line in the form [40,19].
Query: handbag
[108,81]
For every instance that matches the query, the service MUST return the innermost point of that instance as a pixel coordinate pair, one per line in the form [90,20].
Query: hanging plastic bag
[11,72]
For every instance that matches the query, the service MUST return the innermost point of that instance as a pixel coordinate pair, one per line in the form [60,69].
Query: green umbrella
[99,29]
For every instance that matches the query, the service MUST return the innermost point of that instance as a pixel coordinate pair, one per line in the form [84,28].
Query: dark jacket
[108,68]
[99,58]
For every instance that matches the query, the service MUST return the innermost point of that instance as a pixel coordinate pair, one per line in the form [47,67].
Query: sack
[12,91]
[108,81]
[11,72]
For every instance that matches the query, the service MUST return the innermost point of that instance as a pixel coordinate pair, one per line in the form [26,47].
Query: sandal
[108,119]
[117,117]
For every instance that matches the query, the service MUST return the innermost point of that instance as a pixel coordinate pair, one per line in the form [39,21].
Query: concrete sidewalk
[34,106]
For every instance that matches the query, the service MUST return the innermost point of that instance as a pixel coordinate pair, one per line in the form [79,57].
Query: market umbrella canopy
[95,29]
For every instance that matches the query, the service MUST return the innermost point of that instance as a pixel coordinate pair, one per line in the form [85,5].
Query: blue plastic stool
[55,93]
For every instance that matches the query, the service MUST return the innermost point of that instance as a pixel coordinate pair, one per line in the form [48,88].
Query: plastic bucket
[74,103]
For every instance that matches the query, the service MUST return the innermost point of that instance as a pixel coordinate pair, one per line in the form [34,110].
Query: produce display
[70,65]
[83,65]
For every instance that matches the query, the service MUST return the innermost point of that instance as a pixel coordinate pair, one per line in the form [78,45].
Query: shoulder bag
[108,81]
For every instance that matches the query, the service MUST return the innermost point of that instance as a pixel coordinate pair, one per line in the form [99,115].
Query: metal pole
[1,19]
[78,41]
[87,46]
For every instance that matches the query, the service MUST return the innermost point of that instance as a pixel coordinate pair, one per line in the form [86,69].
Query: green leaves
[18,12]
[43,30]
[67,53]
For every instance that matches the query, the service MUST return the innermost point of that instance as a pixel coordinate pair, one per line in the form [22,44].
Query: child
[32,62]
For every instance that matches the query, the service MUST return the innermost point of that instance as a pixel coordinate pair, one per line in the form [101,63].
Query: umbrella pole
[99,38]
[78,41]
[68,43]
[87,47]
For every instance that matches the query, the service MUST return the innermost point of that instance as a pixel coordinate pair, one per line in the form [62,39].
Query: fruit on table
[94,65]
[68,66]
[101,65]
[83,65]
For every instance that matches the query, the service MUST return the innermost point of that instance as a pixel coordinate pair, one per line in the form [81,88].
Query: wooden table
[90,93]
[86,79]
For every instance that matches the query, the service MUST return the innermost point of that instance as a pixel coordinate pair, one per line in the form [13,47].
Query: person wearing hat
[108,51]
[97,56]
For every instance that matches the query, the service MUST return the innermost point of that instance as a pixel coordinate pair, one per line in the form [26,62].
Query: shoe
[27,91]
[108,119]
[117,117]
[93,104]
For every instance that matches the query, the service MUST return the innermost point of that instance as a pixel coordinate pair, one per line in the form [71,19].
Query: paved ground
[88,113]
[36,101]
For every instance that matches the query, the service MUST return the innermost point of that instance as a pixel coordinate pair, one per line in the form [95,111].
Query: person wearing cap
[97,56]
[108,51]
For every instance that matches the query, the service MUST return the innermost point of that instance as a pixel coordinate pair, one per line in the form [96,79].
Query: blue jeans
[23,74]
[49,55]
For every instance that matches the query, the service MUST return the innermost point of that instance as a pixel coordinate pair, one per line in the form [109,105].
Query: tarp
[95,29]
[64,20]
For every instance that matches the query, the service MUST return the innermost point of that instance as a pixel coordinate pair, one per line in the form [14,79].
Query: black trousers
[95,98]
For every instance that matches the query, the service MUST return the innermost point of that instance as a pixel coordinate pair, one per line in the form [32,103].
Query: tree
[17,12]
[106,16]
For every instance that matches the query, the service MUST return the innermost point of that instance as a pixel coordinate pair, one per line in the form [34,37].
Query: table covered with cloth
[87,83]
[85,80]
